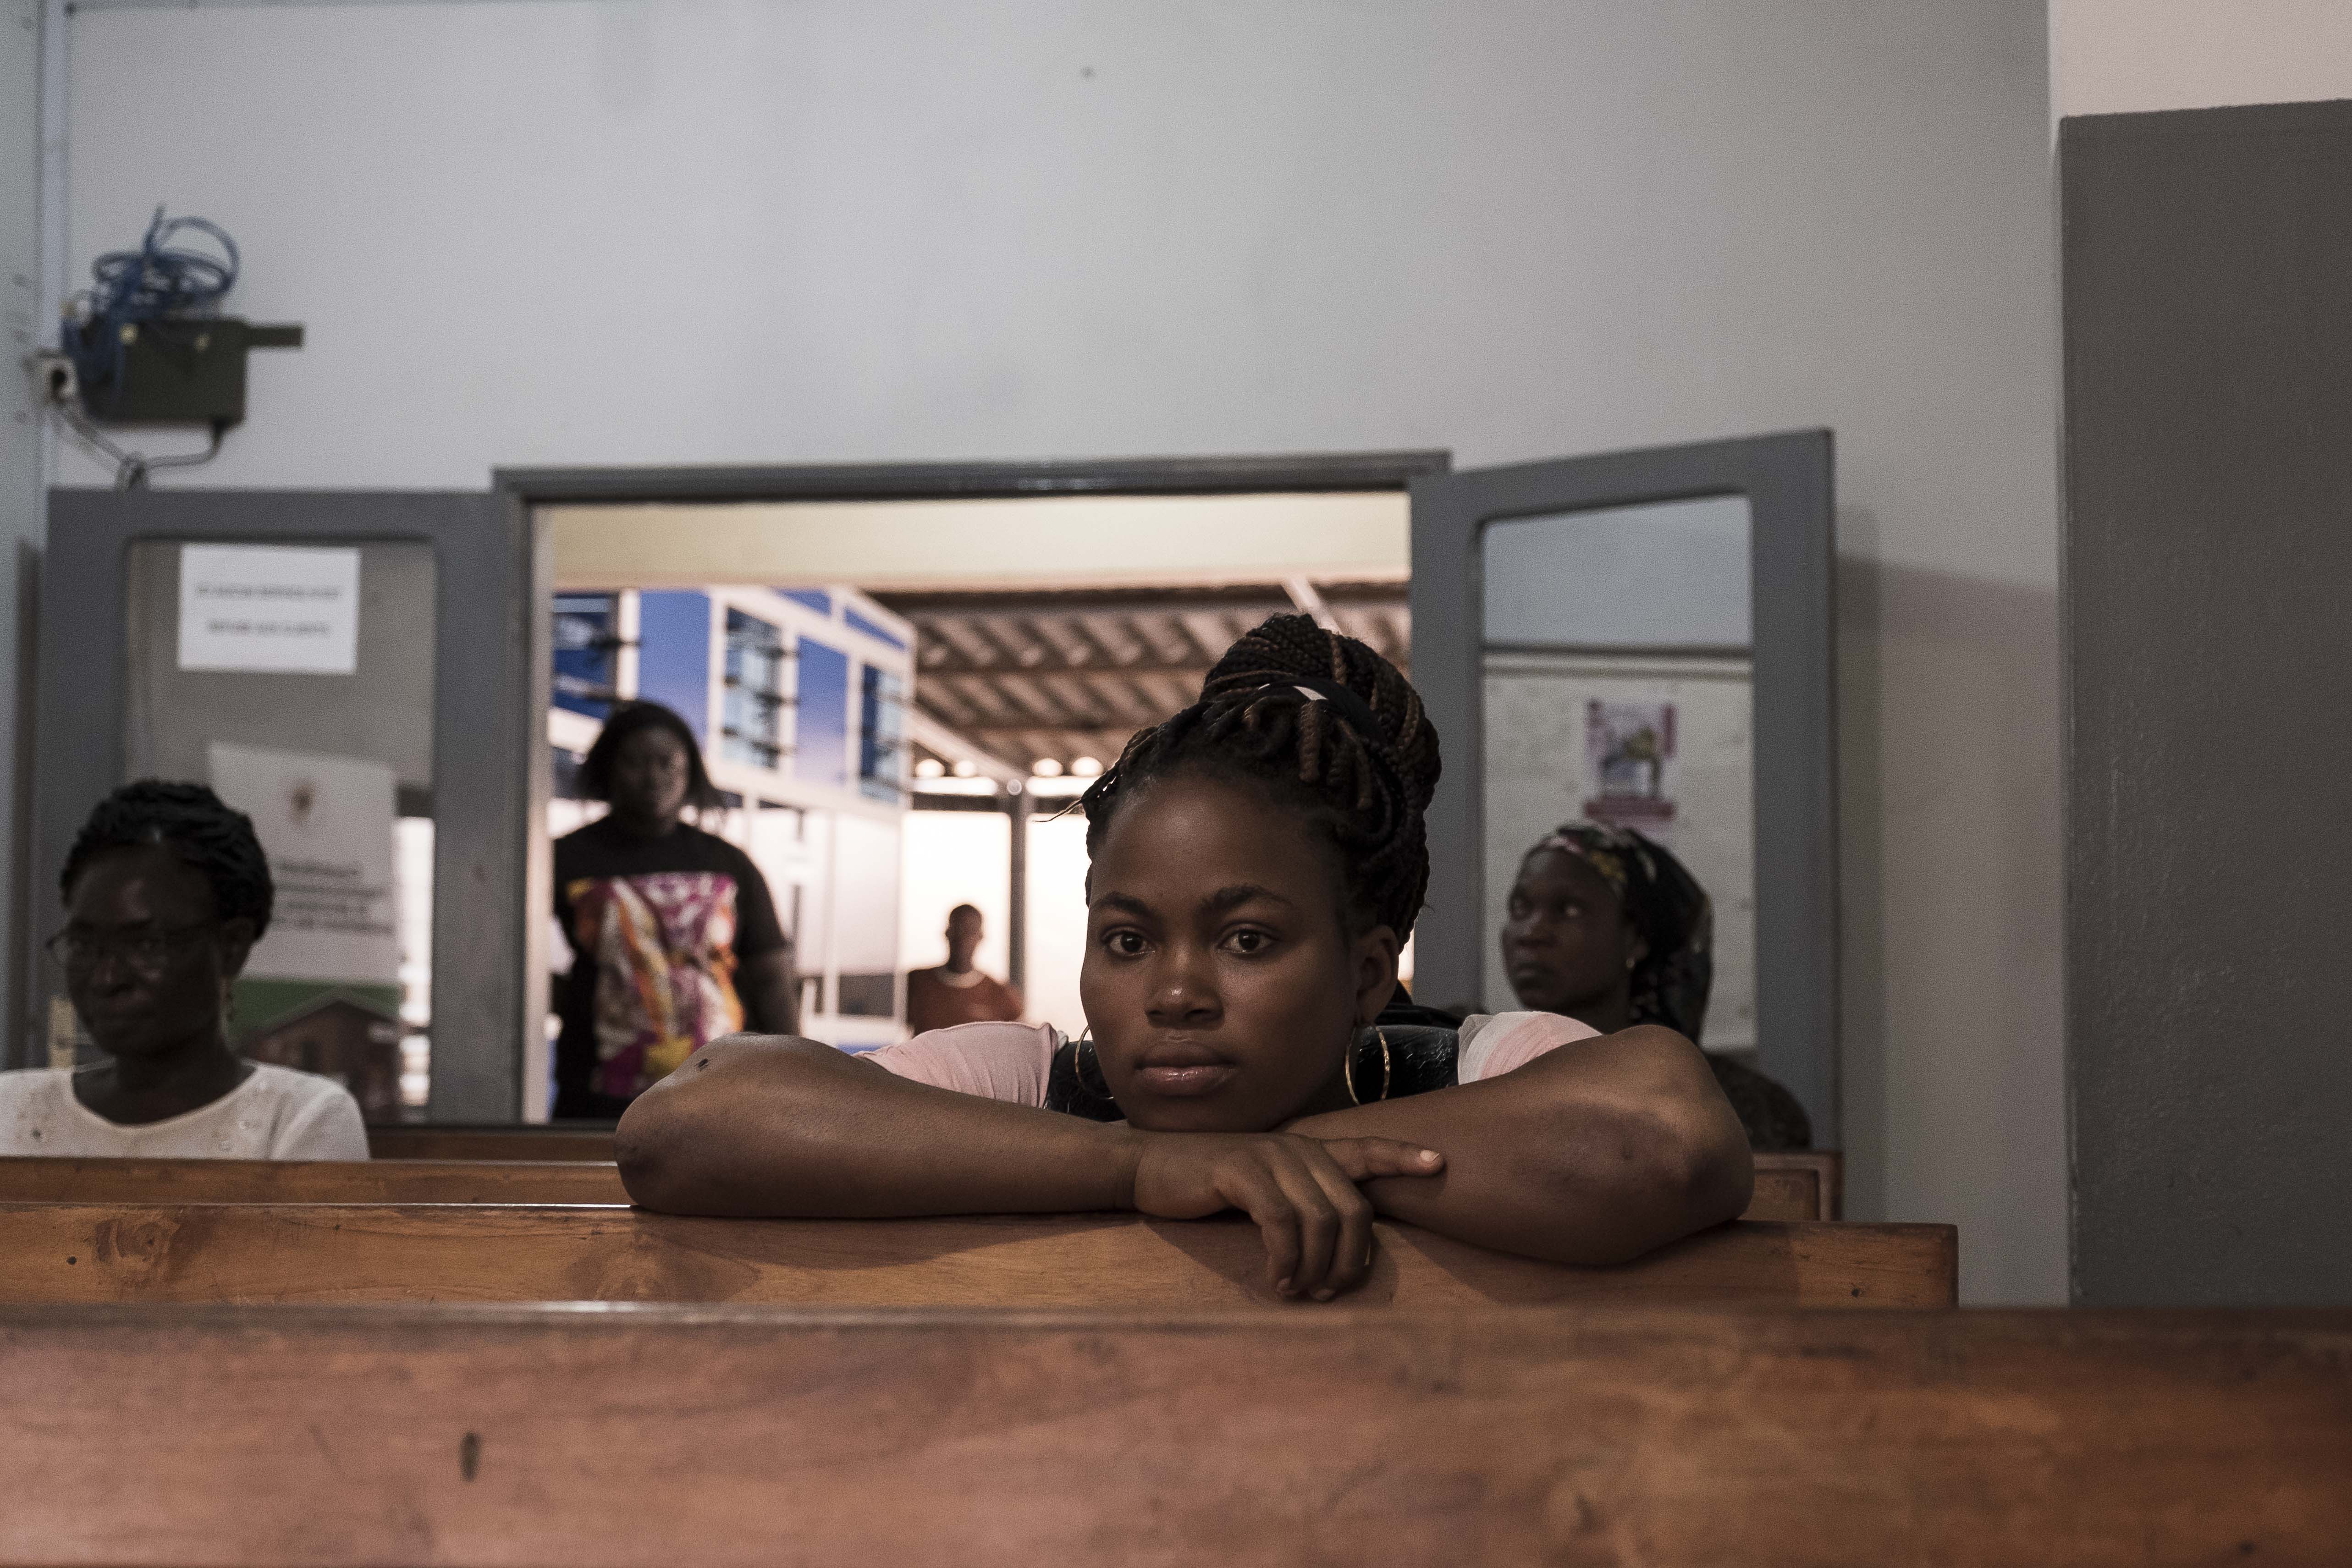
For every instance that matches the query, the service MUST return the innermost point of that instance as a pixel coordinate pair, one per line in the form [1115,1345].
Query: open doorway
[899,699]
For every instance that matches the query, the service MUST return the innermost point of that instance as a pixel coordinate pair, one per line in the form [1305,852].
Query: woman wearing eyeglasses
[166,891]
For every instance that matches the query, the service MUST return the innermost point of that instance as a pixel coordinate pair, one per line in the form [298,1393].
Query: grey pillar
[2209,677]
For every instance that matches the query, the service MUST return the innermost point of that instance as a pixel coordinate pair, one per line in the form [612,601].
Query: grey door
[1642,638]
[420,710]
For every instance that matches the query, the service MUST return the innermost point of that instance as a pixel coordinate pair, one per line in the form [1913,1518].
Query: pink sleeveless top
[1012,1062]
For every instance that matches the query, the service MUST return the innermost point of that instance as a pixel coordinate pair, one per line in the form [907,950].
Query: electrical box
[186,370]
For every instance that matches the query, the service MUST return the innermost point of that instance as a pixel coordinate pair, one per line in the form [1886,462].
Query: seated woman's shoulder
[315,1117]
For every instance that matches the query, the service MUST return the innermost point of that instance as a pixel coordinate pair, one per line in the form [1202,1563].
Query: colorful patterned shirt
[657,929]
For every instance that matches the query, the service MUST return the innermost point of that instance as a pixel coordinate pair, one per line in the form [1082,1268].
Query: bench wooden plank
[1805,1184]
[107,1181]
[327,1252]
[515,1142]
[493,1438]
[1816,1174]
[1810,1185]
[1782,1192]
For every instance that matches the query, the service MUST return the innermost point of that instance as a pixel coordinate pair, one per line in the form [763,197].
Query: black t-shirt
[657,928]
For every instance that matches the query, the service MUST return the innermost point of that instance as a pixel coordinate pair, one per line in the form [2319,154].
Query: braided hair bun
[1331,725]
[195,824]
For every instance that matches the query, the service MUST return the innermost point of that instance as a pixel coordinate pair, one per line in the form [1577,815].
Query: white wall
[2121,57]
[871,229]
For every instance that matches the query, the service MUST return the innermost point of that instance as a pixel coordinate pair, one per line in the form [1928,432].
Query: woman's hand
[1301,1191]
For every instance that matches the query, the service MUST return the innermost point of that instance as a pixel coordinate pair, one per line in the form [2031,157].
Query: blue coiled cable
[131,289]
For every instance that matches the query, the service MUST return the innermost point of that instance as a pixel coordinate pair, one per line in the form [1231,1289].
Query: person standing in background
[674,933]
[955,992]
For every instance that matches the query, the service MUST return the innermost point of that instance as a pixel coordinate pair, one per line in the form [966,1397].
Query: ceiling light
[1086,767]
[929,768]
[966,768]
[1046,767]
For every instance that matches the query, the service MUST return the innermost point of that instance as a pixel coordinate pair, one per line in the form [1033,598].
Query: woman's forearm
[1594,1153]
[791,1128]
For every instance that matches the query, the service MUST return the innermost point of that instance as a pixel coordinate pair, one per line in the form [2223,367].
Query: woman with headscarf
[1607,926]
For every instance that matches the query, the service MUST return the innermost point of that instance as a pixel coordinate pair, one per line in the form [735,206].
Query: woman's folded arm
[1596,1151]
[780,1127]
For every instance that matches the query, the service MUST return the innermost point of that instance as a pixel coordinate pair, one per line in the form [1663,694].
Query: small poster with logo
[326,824]
[322,991]
[1629,763]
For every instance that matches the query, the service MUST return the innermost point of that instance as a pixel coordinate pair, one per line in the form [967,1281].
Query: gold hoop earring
[1347,1068]
[1085,1042]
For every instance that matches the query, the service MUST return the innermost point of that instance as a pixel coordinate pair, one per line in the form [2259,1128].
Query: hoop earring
[1085,1044]
[1347,1068]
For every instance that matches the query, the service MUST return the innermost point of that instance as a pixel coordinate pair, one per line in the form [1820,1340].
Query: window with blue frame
[881,734]
[751,716]
[587,652]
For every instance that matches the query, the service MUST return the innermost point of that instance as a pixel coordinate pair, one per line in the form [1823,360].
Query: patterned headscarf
[1670,912]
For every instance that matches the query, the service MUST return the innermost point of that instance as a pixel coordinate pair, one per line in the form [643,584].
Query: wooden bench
[719,1437]
[1809,1185]
[329,1252]
[508,1143]
[1782,1191]
[97,1181]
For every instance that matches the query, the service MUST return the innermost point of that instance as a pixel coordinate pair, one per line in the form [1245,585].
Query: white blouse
[278,1114]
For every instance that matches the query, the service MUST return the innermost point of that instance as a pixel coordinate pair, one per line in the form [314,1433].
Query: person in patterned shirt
[674,936]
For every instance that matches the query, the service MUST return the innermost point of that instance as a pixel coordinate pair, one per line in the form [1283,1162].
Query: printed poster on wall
[1629,763]
[269,607]
[326,823]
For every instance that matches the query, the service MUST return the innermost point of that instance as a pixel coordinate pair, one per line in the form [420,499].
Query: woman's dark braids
[1254,721]
[194,824]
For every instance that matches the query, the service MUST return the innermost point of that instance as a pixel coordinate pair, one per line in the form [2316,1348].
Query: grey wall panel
[2208,295]
[23,323]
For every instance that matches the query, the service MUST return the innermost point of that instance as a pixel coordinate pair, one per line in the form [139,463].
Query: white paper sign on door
[325,822]
[269,607]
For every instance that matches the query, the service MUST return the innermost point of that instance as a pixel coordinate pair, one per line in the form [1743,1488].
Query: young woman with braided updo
[1257,862]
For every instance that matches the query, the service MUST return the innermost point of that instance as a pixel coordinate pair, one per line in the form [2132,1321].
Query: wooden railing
[1790,1186]
[266,1252]
[1801,1185]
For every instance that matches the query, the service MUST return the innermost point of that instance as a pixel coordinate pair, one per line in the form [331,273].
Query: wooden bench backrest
[327,1252]
[104,1181]
[1782,1191]
[1807,1185]
[731,1437]
[522,1143]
